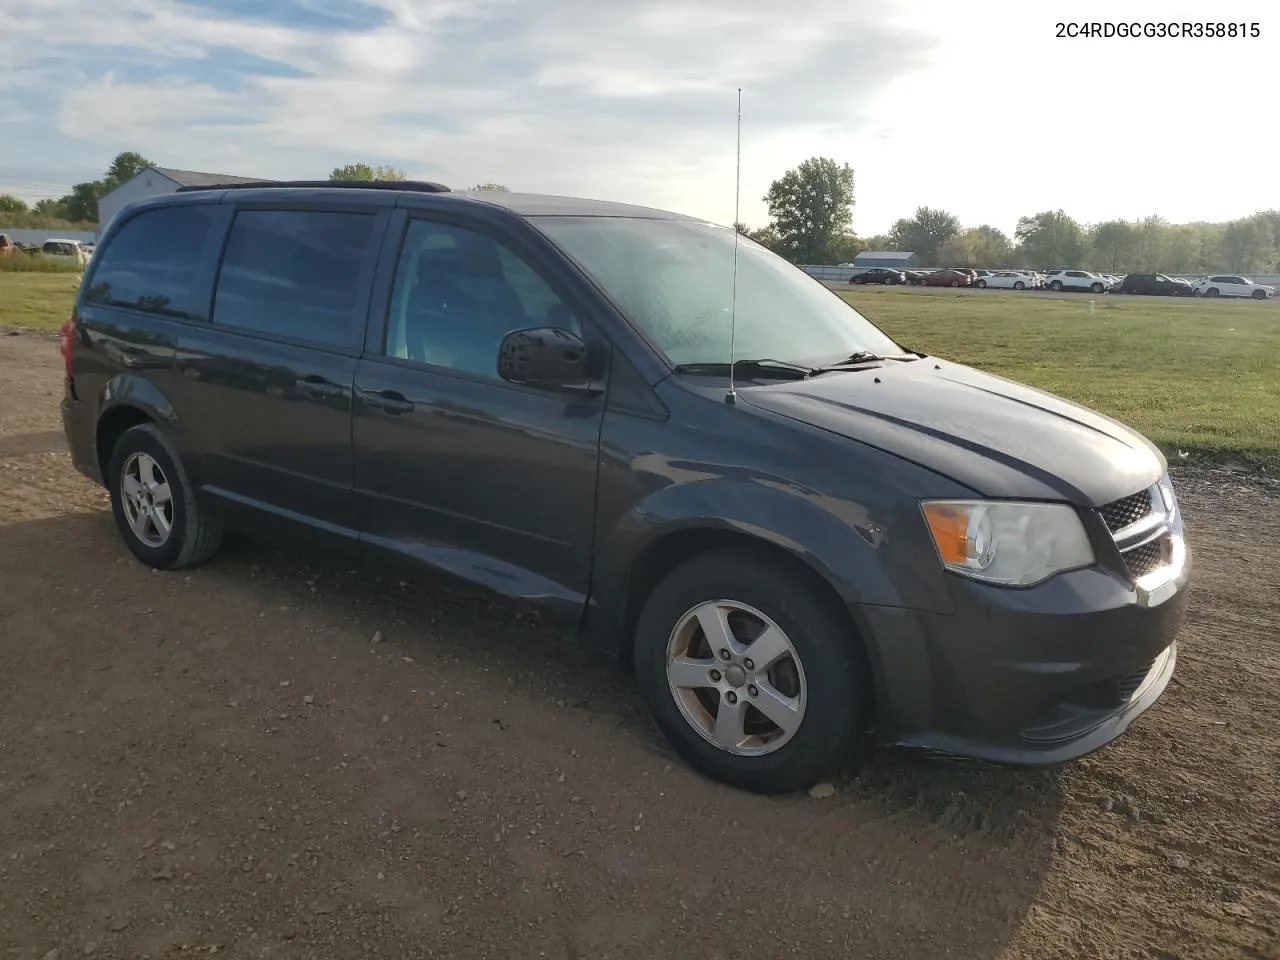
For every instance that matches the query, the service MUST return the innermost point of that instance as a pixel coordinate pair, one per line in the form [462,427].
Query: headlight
[1016,544]
[1166,494]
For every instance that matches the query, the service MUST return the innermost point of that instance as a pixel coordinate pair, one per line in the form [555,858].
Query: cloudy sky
[977,108]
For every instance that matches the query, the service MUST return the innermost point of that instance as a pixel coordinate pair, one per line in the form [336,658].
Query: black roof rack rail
[416,186]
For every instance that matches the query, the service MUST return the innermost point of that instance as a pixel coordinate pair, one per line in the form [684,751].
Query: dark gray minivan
[532,394]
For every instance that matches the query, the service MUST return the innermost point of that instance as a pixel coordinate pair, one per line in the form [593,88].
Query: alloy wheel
[736,677]
[147,499]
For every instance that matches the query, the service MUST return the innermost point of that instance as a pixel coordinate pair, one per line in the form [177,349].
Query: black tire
[834,668]
[955,283]
[1096,288]
[1212,292]
[852,281]
[981,283]
[887,280]
[1019,285]
[194,536]
[1259,294]
[1056,286]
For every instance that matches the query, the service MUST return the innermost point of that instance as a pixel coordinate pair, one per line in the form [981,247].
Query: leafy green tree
[11,206]
[843,248]
[126,166]
[362,171]
[1114,246]
[1248,244]
[983,246]
[810,207]
[1050,240]
[924,234]
[48,207]
[82,202]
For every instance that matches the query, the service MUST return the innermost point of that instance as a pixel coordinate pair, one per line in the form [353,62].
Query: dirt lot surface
[222,761]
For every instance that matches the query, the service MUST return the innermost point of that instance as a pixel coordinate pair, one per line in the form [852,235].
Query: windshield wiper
[860,357]
[767,367]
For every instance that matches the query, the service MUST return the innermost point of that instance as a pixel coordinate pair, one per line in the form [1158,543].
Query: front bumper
[1027,677]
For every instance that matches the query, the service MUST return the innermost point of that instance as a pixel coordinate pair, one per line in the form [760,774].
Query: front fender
[870,554]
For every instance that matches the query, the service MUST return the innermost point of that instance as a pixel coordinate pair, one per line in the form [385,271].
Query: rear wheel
[1259,294]
[153,503]
[750,672]
[982,283]
[1019,285]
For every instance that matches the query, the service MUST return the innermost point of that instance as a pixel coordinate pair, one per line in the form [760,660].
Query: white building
[154,181]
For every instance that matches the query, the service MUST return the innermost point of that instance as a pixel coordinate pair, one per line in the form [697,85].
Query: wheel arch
[126,401]
[674,547]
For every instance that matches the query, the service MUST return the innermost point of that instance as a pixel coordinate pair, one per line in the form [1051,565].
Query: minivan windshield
[675,280]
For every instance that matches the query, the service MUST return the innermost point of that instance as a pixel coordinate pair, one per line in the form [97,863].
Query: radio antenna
[732,396]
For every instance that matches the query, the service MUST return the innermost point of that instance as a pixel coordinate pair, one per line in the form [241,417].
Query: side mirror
[546,357]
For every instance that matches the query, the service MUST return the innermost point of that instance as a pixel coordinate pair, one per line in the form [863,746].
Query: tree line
[811,221]
[77,209]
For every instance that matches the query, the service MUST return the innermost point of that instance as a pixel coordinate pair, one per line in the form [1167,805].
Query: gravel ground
[264,759]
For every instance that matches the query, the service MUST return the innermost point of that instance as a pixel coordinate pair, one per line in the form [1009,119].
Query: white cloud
[982,112]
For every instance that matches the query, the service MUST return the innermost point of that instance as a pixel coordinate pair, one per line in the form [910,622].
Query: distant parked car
[1154,285]
[1005,280]
[1076,280]
[879,275]
[915,277]
[65,250]
[947,278]
[1230,285]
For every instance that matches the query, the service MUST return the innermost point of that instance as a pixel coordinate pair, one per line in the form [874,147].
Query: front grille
[1130,682]
[1123,513]
[1142,560]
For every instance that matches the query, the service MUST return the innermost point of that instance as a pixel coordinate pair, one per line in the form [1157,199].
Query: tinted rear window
[150,263]
[296,273]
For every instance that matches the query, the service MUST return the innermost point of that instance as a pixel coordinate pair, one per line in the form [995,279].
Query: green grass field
[1200,376]
[1193,375]
[36,301]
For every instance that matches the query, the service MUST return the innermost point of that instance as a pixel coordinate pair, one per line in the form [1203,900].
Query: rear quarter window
[150,263]
[296,274]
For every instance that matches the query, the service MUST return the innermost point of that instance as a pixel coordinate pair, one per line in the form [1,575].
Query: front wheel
[154,506]
[1212,292]
[1096,288]
[982,283]
[750,672]
[1019,285]
[1259,294]
[1056,286]
[955,283]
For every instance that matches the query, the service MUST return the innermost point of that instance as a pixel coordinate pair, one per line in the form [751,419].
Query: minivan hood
[997,437]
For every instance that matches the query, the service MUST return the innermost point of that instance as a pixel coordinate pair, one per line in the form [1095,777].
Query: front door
[272,373]
[455,468]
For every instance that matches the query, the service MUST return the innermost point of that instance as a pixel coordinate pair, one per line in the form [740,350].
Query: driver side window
[457,293]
